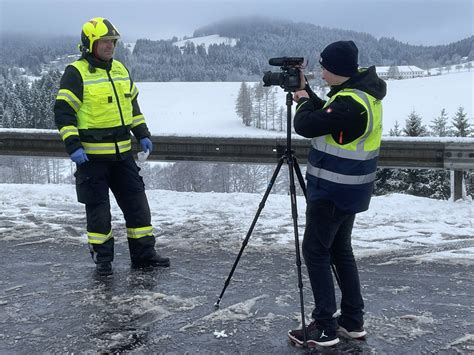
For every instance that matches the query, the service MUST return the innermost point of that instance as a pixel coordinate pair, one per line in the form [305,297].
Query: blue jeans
[327,240]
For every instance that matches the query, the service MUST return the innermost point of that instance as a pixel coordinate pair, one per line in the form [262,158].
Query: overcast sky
[425,22]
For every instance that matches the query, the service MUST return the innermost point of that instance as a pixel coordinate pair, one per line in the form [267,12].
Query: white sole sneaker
[311,343]
[354,334]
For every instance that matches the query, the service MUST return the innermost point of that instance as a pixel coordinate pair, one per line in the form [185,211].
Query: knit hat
[340,58]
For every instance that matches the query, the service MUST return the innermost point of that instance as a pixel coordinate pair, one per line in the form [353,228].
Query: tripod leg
[294,214]
[299,175]
[247,237]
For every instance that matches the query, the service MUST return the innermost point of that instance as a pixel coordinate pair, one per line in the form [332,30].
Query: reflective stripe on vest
[68,131]
[340,178]
[321,143]
[107,148]
[70,98]
[137,120]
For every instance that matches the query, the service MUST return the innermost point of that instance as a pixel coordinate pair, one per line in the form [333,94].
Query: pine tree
[461,125]
[44,93]
[269,104]
[388,180]
[281,121]
[18,112]
[272,101]
[462,128]
[243,105]
[257,114]
[414,126]
[395,131]
[417,180]
[393,72]
[439,127]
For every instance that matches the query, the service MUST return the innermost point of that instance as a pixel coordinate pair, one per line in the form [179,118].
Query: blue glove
[79,156]
[146,145]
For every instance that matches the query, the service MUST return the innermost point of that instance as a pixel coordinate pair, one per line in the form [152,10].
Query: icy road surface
[415,257]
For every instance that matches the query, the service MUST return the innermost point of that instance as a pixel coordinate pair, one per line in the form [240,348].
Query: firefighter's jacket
[96,108]
[346,134]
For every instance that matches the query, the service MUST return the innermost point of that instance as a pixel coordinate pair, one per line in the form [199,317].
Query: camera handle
[293,168]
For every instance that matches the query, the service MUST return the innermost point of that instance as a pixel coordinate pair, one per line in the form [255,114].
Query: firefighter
[96,109]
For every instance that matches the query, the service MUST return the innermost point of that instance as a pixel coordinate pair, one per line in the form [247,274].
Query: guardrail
[405,152]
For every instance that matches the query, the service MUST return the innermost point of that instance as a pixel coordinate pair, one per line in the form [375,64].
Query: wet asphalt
[51,301]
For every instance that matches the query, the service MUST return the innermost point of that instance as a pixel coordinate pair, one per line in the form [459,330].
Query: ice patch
[237,311]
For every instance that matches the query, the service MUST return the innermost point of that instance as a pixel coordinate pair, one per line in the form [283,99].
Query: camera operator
[345,134]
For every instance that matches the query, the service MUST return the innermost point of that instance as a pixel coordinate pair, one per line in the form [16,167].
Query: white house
[400,72]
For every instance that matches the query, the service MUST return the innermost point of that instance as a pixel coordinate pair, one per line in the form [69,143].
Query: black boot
[155,261]
[158,260]
[104,269]
[143,253]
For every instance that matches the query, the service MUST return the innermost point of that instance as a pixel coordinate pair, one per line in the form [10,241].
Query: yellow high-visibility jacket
[96,108]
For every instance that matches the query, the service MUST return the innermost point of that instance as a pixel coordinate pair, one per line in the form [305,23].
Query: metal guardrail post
[457,190]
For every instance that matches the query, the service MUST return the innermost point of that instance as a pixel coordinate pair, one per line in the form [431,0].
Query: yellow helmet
[94,29]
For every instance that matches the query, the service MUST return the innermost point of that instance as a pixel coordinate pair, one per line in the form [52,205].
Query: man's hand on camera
[299,94]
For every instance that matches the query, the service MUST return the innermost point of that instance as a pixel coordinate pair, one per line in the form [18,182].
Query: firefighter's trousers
[93,181]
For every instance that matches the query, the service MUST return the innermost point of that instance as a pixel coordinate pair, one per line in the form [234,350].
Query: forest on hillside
[258,40]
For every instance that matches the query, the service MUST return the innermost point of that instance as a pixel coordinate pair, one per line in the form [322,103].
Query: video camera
[289,77]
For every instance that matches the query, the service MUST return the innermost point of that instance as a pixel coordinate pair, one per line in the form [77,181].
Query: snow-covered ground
[409,227]
[208,109]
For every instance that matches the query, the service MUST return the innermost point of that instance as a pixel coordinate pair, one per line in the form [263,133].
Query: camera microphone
[286,61]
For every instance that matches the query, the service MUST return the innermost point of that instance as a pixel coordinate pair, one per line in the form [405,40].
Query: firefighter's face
[104,49]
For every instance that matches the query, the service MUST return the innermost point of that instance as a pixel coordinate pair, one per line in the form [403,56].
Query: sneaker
[350,332]
[155,261]
[104,269]
[315,336]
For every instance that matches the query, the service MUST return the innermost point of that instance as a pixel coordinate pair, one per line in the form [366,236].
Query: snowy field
[208,109]
[427,230]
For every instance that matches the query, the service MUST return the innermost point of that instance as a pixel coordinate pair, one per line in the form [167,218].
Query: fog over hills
[418,22]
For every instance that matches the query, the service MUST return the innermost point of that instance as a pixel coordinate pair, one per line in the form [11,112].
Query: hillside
[259,39]
[244,55]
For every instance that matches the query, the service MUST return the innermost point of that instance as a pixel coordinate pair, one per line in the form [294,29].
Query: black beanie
[340,58]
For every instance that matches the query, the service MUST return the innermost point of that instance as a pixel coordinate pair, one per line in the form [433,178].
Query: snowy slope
[202,108]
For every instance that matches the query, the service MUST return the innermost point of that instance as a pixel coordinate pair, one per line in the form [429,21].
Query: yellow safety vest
[105,115]
[364,148]
[107,98]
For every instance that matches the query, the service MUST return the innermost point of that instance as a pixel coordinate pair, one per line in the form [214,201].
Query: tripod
[290,158]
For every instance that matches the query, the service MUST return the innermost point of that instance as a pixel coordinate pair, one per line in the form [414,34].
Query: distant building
[400,72]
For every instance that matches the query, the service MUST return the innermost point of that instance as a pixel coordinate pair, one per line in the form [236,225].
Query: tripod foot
[216,306]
